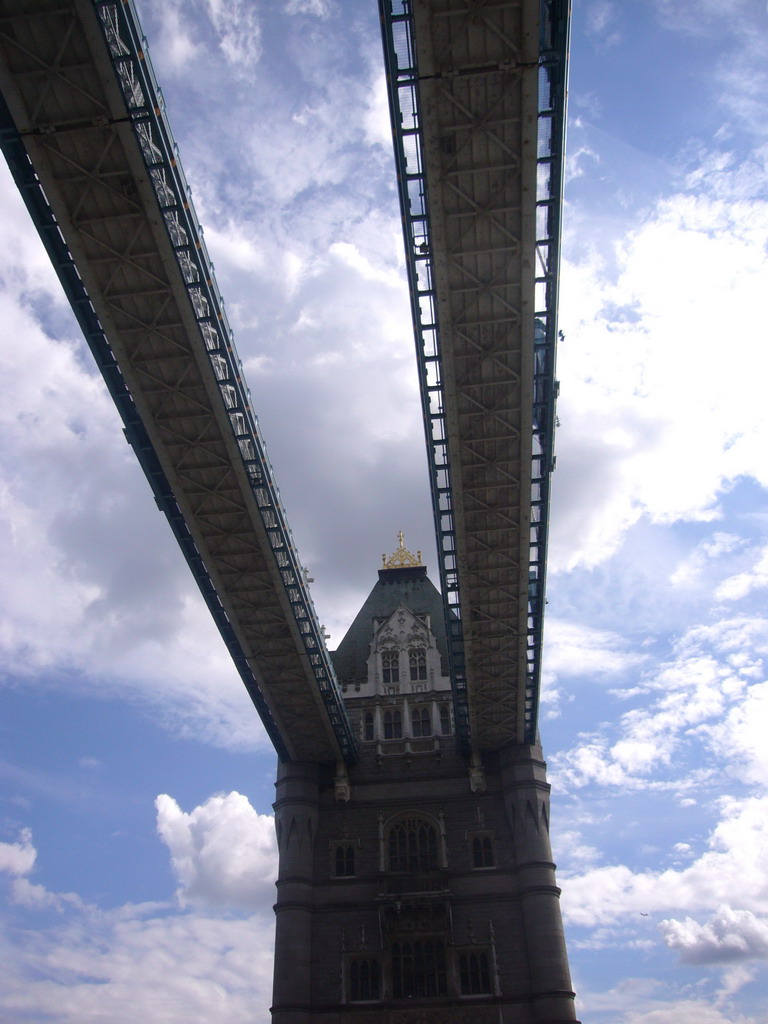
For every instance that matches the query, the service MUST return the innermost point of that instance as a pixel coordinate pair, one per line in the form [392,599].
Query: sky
[137,853]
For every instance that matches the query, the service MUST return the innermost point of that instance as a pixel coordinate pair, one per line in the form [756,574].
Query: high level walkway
[477,92]
[88,143]
[477,96]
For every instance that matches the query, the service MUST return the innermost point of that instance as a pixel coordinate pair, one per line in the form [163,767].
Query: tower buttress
[416,886]
[296,823]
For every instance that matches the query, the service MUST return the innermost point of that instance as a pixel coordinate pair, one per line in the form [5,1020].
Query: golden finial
[402,557]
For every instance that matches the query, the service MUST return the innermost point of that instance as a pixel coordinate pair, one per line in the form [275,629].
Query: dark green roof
[409,586]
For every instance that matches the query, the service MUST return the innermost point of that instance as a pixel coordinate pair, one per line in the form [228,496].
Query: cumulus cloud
[18,858]
[689,570]
[742,733]
[690,275]
[731,935]
[574,649]
[139,962]
[735,587]
[711,689]
[36,897]
[223,852]
[732,872]
[687,1011]
[152,960]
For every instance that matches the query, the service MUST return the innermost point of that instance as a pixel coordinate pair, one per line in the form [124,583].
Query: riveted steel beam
[83,129]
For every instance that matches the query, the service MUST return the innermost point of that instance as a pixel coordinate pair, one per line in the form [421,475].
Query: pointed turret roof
[403,580]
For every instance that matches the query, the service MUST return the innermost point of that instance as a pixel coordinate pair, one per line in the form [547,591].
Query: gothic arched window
[345,860]
[420,723]
[417,661]
[482,852]
[418,969]
[474,975]
[445,720]
[393,725]
[363,980]
[368,726]
[390,667]
[412,845]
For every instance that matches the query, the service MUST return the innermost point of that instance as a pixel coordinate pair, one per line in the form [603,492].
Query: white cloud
[377,122]
[687,1011]
[36,897]
[741,734]
[730,935]
[18,858]
[735,587]
[223,853]
[643,377]
[688,571]
[237,25]
[709,697]
[318,8]
[174,47]
[733,872]
[150,961]
[599,15]
[139,963]
[574,649]
[738,71]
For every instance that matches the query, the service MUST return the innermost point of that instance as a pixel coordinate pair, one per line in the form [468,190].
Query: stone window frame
[369,719]
[417,663]
[347,844]
[474,972]
[444,713]
[418,853]
[421,718]
[481,849]
[436,821]
[419,967]
[392,721]
[390,666]
[374,979]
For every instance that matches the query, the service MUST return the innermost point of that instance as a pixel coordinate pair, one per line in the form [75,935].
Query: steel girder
[89,145]
[477,95]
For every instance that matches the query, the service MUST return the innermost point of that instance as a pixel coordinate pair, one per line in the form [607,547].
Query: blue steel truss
[403,87]
[553,87]
[128,50]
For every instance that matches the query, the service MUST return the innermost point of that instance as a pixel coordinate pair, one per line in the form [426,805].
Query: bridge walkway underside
[82,106]
[478,129]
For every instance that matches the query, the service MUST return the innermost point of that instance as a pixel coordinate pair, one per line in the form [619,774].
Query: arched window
[412,846]
[345,860]
[482,852]
[445,720]
[418,969]
[475,978]
[390,667]
[363,980]
[368,726]
[393,725]
[420,724]
[417,661]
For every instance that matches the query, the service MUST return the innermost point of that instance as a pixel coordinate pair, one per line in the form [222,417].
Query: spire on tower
[401,558]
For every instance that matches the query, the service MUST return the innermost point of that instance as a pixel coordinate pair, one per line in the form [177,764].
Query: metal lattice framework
[86,137]
[477,95]
[477,91]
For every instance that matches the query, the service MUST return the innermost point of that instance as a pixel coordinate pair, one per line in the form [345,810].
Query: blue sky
[136,847]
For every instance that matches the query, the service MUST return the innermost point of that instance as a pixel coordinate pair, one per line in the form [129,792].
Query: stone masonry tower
[418,886]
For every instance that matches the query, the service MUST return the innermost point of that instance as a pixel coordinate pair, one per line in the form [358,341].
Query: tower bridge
[411,792]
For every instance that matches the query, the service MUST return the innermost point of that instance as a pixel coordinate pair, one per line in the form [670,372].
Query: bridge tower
[417,885]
